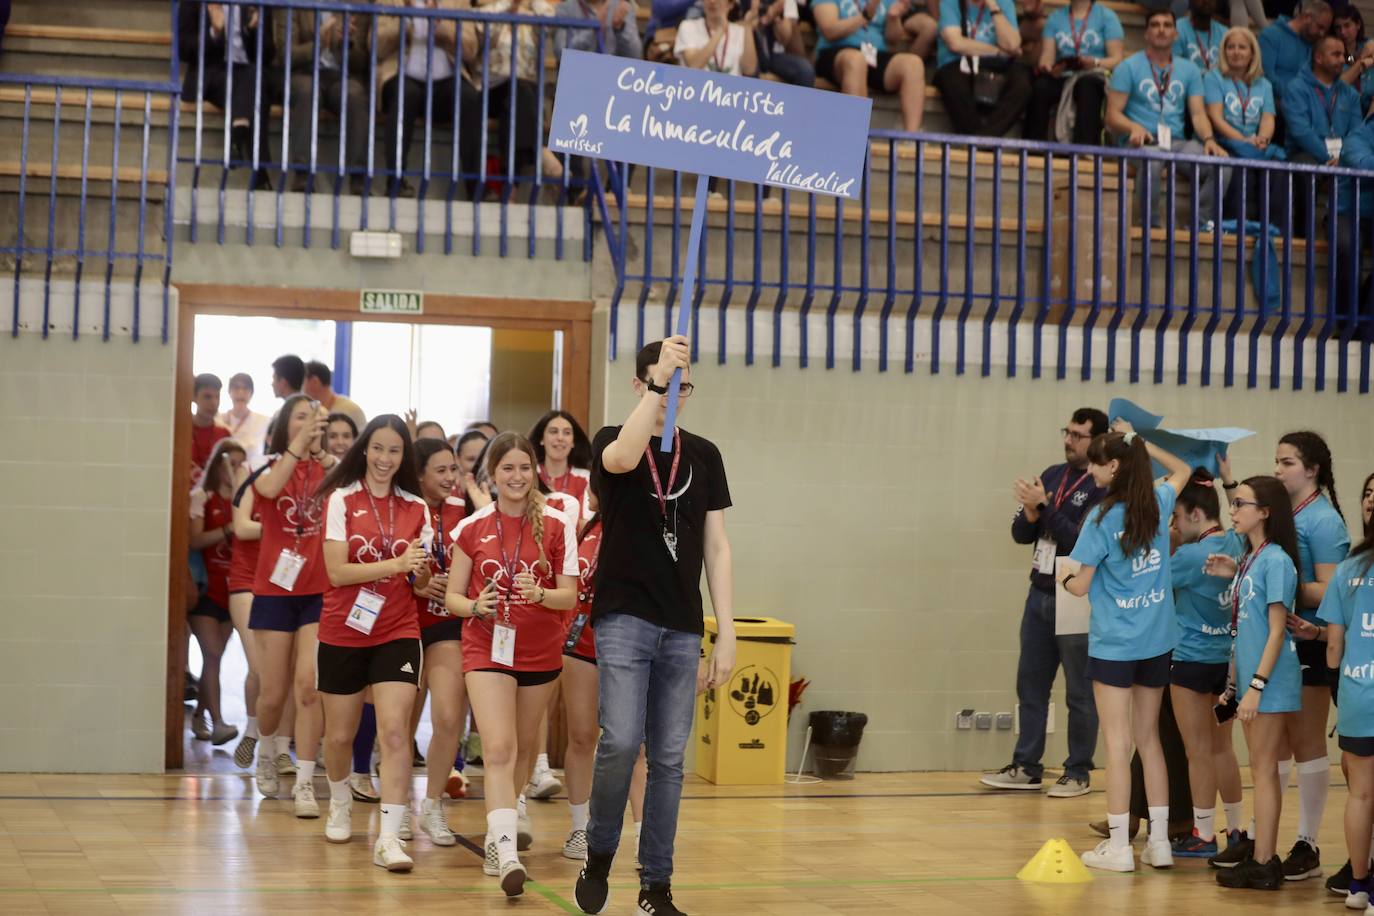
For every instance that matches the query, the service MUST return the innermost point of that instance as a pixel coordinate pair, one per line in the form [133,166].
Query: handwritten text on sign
[710,123]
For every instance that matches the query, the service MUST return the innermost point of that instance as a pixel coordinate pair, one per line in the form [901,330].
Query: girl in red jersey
[471,445]
[376,537]
[212,533]
[580,688]
[564,453]
[513,571]
[440,635]
[288,589]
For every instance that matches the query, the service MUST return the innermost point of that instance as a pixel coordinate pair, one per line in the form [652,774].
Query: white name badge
[1333,147]
[503,645]
[1164,136]
[367,607]
[965,66]
[1045,550]
[870,53]
[789,9]
[287,570]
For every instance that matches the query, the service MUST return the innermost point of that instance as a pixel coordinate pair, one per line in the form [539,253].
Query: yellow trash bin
[742,727]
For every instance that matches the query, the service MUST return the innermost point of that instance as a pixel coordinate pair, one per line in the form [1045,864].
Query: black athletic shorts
[349,669]
[1312,658]
[1204,677]
[208,607]
[825,67]
[1360,747]
[450,629]
[526,678]
[1145,672]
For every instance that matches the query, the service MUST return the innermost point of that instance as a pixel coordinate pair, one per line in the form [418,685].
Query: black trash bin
[836,736]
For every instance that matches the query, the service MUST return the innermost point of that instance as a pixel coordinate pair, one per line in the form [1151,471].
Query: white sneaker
[513,878]
[1109,858]
[390,853]
[491,864]
[285,765]
[1357,901]
[1158,853]
[266,778]
[200,725]
[543,784]
[246,751]
[524,832]
[361,788]
[576,846]
[339,827]
[406,833]
[433,822]
[304,795]
[1068,787]
[1012,777]
[222,733]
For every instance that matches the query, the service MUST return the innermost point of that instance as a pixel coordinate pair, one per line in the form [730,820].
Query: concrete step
[145,15]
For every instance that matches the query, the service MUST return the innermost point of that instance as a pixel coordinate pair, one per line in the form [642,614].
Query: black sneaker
[1253,876]
[658,901]
[592,892]
[1339,883]
[1239,847]
[1304,861]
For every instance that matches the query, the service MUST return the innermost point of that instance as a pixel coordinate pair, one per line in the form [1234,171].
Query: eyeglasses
[685,390]
[1067,433]
[1237,503]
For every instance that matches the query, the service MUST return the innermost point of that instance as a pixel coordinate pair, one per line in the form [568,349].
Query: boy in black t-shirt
[663,518]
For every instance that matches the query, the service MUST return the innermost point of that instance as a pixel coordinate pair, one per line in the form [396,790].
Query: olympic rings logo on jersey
[310,517]
[368,550]
[495,571]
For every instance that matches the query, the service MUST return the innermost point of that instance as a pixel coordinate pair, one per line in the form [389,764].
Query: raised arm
[623,455]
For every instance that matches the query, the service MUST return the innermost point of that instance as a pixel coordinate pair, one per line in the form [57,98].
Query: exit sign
[392,301]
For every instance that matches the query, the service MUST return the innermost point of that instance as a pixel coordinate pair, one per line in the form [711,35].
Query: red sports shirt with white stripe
[539,632]
[293,521]
[443,518]
[217,512]
[587,552]
[353,519]
[577,483]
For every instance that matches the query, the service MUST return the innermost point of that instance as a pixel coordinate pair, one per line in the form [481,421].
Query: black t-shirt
[636,573]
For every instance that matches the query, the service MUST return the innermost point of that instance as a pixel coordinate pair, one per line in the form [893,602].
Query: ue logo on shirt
[1366,625]
[1143,563]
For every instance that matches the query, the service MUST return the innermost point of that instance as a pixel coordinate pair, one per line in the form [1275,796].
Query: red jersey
[587,553]
[577,483]
[374,530]
[217,512]
[244,561]
[203,439]
[500,549]
[293,521]
[443,519]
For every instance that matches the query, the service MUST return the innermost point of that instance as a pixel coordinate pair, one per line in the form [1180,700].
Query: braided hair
[1314,452]
[496,450]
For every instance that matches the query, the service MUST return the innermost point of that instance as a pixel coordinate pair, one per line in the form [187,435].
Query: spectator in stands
[1356,153]
[1240,105]
[853,53]
[619,20]
[329,93]
[714,43]
[1245,13]
[778,41]
[288,375]
[1146,101]
[1321,111]
[319,387]
[1200,35]
[1083,42]
[529,121]
[1348,26]
[245,426]
[408,72]
[229,57]
[983,84]
[1286,46]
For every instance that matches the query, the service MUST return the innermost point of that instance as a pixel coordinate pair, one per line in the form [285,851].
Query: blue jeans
[648,695]
[1041,655]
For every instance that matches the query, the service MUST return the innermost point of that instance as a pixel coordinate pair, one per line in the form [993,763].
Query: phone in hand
[1225,711]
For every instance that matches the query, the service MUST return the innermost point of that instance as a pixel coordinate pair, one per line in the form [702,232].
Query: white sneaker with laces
[285,765]
[1067,786]
[390,853]
[266,778]
[513,878]
[339,827]
[1158,853]
[1012,777]
[222,733]
[406,833]
[576,846]
[361,788]
[1106,857]
[305,804]
[200,725]
[491,864]
[543,784]
[433,822]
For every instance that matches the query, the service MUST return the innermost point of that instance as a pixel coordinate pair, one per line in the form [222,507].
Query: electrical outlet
[983,721]
[1004,721]
[963,719]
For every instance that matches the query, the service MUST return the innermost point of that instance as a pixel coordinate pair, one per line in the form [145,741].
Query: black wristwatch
[656,389]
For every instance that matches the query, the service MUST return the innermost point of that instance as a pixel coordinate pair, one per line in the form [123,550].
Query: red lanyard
[1202,48]
[722,52]
[978,23]
[1063,494]
[1161,83]
[1077,36]
[1240,580]
[672,475]
[1329,103]
[1305,503]
[1215,529]
[389,534]
[558,486]
[510,566]
[440,557]
[1244,101]
[589,577]
[298,492]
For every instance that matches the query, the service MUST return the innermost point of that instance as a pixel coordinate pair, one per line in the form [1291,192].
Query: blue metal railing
[1049,235]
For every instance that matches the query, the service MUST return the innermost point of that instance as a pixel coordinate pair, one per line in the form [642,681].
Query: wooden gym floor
[928,843]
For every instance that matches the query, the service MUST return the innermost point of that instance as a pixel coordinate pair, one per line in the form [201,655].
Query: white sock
[1314,779]
[501,828]
[1251,832]
[520,807]
[541,762]
[251,729]
[1285,767]
[339,791]
[581,815]
[1117,827]
[267,747]
[1233,815]
[391,820]
[1203,823]
[305,772]
[284,745]
[1159,822]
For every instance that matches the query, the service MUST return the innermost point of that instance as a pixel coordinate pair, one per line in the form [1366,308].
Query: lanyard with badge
[1236,587]
[1164,135]
[1076,35]
[437,608]
[669,536]
[1045,548]
[585,594]
[290,561]
[970,64]
[1330,102]
[503,633]
[367,606]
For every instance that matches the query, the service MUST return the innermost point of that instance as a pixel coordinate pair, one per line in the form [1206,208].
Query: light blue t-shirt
[1349,602]
[1132,598]
[1269,579]
[979,21]
[1141,80]
[871,33]
[1203,602]
[1322,538]
[1242,106]
[1093,33]
[1203,49]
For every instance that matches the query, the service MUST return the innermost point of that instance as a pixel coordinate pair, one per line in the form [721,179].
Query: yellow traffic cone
[1055,863]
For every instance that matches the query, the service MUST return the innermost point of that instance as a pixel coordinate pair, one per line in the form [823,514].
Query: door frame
[572,317]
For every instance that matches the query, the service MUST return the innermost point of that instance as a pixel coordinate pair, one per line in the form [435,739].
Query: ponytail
[534,511]
[1133,487]
[1314,452]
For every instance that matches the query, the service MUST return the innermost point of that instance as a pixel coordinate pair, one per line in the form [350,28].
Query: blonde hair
[499,447]
[1252,72]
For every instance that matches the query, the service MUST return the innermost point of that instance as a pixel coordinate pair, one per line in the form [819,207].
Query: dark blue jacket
[1312,112]
[1061,524]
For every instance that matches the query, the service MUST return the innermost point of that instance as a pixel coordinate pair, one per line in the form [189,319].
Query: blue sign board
[710,123]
